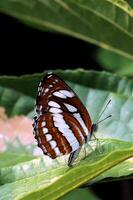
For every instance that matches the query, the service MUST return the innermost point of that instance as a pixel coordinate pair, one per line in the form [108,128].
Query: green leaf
[56,182]
[27,84]
[107,23]
[115,62]
[9,168]
[116,173]
[130,2]
[15,102]
[79,194]
[10,159]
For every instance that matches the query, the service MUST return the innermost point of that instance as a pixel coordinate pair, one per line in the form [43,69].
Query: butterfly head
[94,128]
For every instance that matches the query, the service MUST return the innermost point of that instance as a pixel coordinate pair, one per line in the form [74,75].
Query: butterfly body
[62,124]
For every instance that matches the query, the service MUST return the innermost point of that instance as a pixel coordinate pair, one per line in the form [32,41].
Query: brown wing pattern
[62,123]
[52,83]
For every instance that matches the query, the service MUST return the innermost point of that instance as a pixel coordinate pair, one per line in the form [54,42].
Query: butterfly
[62,123]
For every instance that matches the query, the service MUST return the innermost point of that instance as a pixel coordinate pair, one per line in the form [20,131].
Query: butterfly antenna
[104,119]
[99,121]
[104,110]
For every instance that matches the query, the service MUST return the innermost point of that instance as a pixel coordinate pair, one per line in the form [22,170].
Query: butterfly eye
[62,123]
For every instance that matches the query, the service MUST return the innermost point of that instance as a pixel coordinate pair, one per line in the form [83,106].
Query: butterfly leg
[73,156]
[98,144]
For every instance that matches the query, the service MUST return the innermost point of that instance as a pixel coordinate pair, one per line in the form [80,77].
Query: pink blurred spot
[19,126]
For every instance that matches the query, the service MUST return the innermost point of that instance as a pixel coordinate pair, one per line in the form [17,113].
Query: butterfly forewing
[62,124]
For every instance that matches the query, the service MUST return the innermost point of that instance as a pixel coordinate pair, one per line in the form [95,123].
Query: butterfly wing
[62,123]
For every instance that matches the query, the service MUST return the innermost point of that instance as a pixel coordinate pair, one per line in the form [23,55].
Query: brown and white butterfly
[62,123]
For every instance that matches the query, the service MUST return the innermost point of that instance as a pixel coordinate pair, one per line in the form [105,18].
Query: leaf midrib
[122,8]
